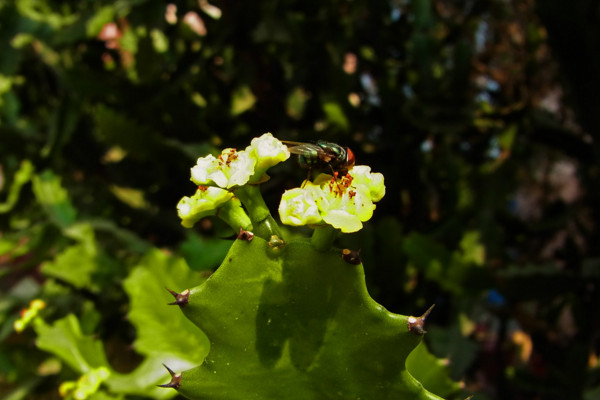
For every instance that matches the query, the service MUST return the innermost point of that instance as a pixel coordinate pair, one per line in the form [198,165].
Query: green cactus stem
[263,224]
[296,323]
[323,237]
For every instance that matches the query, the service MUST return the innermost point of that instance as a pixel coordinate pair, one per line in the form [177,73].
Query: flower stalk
[323,237]
[262,222]
[235,216]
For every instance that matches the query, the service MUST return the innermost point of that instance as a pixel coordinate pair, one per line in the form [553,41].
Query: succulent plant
[292,319]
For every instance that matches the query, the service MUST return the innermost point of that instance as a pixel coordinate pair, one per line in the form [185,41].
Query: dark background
[482,116]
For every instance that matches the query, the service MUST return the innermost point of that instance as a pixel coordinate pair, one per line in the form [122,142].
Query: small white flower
[267,151]
[298,208]
[232,168]
[203,203]
[372,181]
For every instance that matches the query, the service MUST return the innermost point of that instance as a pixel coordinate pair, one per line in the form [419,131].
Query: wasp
[323,155]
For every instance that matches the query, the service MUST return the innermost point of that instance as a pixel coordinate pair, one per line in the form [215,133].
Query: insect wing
[304,149]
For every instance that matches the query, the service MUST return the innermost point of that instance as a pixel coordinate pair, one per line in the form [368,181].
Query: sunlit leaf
[54,198]
[161,329]
[65,339]
[243,100]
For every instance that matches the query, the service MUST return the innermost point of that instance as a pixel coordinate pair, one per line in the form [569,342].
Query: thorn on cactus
[181,299]
[416,325]
[245,235]
[175,380]
[351,256]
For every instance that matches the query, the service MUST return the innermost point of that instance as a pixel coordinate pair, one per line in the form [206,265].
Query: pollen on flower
[340,188]
[343,202]
[230,169]
[227,157]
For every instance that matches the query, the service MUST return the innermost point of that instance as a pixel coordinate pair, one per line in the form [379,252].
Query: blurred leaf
[453,271]
[335,115]
[41,11]
[100,18]
[132,197]
[22,176]
[102,395]
[209,9]
[114,128]
[161,329]
[451,344]
[296,101]
[54,198]
[160,42]
[204,253]
[81,265]
[423,251]
[132,241]
[431,371]
[164,335]
[76,266]
[23,390]
[242,100]
[64,339]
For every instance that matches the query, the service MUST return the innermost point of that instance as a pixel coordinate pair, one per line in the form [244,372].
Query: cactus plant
[291,319]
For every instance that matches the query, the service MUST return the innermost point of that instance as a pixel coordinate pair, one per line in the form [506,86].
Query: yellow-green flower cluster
[344,203]
[206,201]
[217,177]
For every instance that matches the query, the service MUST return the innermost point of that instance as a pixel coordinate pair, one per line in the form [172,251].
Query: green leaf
[103,16]
[81,265]
[243,100]
[453,271]
[296,102]
[65,340]
[294,323]
[22,176]
[335,115]
[161,328]
[201,253]
[164,335]
[74,265]
[431,371]
[54,198]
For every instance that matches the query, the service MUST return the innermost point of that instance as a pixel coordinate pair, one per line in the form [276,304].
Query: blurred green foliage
[481,116]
